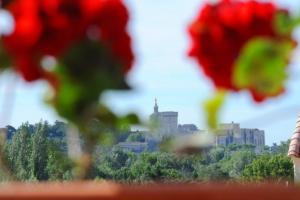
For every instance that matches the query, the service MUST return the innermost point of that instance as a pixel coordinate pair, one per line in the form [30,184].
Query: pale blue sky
[163,70]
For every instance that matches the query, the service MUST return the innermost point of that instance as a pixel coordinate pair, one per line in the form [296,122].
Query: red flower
[50,27]
[221,30]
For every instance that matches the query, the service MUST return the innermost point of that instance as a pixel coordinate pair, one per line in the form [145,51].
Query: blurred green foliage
[36,153]
[212,108]
[261,66]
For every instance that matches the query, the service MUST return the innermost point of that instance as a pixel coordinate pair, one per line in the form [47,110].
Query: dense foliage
[39,152]
[271,168]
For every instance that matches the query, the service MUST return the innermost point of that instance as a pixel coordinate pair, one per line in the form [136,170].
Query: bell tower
[155,106]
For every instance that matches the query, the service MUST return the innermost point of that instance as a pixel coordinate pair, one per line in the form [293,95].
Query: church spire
[155,106]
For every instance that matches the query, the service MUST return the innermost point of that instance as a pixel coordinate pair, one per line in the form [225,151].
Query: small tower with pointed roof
[155,106]
[166,122]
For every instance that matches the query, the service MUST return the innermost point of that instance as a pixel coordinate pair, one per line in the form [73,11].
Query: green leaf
[285,24]
[212,108]
[261,66]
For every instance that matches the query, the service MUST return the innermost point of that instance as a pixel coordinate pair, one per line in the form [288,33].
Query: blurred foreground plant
[243,45]
[81,48]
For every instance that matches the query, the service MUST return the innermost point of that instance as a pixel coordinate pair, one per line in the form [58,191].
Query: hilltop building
[231,133]
[167,123]
[187,128]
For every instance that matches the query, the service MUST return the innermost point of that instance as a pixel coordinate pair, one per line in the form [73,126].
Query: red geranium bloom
[50,27]
[221,30]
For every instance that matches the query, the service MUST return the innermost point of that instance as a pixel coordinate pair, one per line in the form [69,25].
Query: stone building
[166,123]
[231,133]
[255,137]
[187,128]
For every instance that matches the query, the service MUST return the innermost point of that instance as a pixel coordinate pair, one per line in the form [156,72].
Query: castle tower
[155,107]
[166,122]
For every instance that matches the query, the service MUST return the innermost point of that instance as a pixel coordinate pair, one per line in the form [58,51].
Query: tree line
[39,153]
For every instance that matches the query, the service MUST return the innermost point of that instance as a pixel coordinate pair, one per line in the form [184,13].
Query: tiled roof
[294,148]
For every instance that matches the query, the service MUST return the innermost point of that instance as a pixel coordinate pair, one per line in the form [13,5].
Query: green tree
[39,152]
[136,137]
[212,172]
[18,153]
[32,155]
[282,148]
[59,167]
[237,162]
[269,167]
[215,155]
[114,164]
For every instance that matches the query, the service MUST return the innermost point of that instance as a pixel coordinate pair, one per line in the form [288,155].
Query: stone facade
[231,133]
[187,128]
[166,123]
